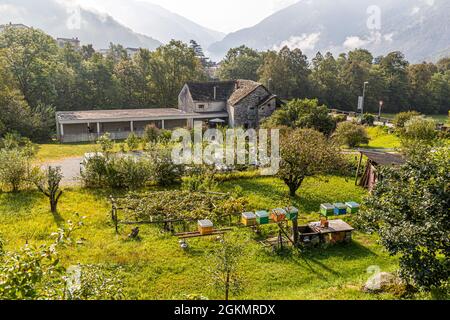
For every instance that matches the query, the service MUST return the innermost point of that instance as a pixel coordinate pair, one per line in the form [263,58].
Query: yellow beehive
[205,227]
[248,219]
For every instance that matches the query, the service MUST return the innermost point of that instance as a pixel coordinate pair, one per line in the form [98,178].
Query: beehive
[291,213]
[327,209]
[262,217]
[278,215]
[248,219]
[340,209]
[352,207]
[205,227]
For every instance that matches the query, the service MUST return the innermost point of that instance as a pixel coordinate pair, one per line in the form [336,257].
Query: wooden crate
[291,213]
[262,217]
[248,219]
[327,209]
[205,227]
[278,215]
[352,207]
[340,209]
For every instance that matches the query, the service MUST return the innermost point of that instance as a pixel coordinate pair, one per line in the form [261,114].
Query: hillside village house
[240,103]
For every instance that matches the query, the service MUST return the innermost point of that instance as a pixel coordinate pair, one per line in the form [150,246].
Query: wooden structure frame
[375,160]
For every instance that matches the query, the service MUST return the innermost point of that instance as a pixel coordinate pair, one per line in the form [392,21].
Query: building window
[201,106]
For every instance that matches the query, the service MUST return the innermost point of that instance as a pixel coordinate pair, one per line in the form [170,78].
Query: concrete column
[132,126]
[98,128]
[62,130]
[163,124]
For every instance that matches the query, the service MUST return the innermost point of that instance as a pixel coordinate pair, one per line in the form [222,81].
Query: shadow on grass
[59,220]
[11,203]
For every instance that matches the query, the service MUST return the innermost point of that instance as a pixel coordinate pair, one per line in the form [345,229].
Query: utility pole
[363,98]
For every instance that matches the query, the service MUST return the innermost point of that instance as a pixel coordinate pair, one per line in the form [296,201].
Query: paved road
[70,169]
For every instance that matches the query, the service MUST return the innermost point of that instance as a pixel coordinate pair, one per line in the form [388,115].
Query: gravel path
[70,168]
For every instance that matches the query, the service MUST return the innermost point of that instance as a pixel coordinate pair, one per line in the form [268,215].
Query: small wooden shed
[375,159]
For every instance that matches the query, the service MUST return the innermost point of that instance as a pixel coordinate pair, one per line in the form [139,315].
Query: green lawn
[441,118]
[58,151]
[380,139]
[156,268]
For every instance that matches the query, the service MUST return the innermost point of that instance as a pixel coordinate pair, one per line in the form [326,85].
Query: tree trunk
[292,190]
[53,205]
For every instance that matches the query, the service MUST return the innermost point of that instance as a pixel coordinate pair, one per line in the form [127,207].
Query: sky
[220,15]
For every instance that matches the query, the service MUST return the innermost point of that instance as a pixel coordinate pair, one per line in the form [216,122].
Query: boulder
[381,282]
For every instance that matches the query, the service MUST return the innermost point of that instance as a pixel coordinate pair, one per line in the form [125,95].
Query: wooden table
[334,226]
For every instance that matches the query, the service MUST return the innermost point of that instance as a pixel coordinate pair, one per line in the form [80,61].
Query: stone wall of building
[185,102]
[246,112]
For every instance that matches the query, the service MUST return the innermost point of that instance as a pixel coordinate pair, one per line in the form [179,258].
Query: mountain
[418,28]
[60,19]
[157,22]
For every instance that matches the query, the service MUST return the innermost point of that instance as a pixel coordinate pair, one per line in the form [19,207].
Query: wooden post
[357,170]
[295,230]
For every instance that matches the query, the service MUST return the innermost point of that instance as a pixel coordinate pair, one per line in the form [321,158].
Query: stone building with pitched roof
[246,102]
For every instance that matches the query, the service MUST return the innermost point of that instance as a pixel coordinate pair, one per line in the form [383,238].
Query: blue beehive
[340,209]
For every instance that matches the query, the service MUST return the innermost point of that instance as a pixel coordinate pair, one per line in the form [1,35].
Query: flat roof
[130,115]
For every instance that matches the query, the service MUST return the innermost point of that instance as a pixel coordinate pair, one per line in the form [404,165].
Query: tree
[439,90]
[240,63]
[324,79]
[224,270]
[419,75]
[171,66]
[48,182]
[306,113]
[409,210]
[31,56]
[305,153]
[351,134]
[286,73]
[394,68]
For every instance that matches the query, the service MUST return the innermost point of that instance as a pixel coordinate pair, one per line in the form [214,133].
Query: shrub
[401,118]
[368,119]
[151,133]
[132,142]
[14,168]
[106,144]
[113,172]
[164,171]
[340,118]
[420,128]
[351,134]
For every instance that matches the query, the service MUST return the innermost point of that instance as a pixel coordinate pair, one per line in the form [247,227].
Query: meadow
[156,268]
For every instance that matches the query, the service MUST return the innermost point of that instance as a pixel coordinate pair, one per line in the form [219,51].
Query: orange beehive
[205,227]
[278,215]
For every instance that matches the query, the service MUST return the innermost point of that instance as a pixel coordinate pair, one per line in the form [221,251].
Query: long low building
[84,126]
[237,103]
